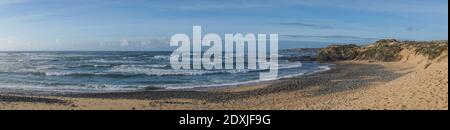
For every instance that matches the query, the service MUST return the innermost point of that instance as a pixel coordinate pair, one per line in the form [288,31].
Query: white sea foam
[144,66]
[324,68]
[290,65]
[153,71]
[89,88]
[130,69]
[114,61]
[58,73]
[189,86]
[162,56]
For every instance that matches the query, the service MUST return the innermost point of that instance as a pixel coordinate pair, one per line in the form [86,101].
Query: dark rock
[338,53]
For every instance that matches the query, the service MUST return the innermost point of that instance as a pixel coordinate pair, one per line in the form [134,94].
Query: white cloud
[138,42]
[125,42]
[12,43]
[8,40]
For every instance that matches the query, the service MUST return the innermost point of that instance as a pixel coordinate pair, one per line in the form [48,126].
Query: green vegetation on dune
[338,52]
[382,50]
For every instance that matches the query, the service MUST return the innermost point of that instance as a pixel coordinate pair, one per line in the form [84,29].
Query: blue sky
[148,24]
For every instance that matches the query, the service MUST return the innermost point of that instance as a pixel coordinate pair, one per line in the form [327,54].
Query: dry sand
[413,83]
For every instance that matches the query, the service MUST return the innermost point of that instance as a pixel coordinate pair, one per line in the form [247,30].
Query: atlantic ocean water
[124,71]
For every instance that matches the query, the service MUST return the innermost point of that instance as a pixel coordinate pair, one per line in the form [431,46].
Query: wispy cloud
[412,29]
[214,7]
[328,37]
[138,42]
[400,6]
[316,26]
[26,17]
[64,8]
[198,5]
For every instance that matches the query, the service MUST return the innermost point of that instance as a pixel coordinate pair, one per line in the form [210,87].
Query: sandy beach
[414,83]
[389,75]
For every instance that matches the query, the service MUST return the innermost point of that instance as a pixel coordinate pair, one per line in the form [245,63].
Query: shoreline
[52,92]
[348,85]
[59,98]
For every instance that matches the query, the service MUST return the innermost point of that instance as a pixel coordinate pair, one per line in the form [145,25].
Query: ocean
[124,71]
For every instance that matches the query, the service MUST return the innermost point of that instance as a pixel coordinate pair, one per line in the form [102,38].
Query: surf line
[234,53]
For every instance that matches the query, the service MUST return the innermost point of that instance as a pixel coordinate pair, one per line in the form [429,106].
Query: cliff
[387,50]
